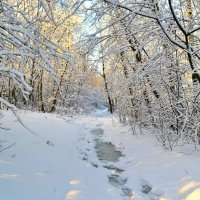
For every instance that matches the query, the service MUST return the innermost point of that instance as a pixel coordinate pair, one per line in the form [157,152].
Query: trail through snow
[91,158]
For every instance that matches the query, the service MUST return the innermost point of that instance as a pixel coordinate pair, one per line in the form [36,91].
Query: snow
[58,161]
[101,113]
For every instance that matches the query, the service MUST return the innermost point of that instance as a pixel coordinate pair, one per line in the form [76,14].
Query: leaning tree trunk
[106,88]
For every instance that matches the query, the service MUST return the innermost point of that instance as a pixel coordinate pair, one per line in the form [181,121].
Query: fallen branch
[7,147]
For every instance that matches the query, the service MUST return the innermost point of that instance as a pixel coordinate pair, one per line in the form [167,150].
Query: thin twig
[8,147]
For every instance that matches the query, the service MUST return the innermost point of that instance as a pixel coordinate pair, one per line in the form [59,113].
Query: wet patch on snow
[107,151]
[99,154]
[98,132]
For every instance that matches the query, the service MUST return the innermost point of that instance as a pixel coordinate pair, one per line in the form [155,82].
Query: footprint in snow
[147,189]
[115,169]
[48,142]
[127,191]
[116,180]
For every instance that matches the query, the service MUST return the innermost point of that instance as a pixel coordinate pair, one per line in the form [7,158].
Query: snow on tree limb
[22,42]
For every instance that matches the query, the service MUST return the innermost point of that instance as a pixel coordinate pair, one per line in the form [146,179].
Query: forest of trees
[140,58]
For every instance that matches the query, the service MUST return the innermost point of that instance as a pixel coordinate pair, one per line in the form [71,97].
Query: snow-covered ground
[60,162]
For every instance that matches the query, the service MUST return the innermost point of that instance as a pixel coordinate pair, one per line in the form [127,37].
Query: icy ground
[91,158]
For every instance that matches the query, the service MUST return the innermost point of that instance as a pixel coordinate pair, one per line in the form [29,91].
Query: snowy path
[34,170]
[68,168]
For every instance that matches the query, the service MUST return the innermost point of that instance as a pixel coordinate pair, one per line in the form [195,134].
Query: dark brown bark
[106,88]
[40,92]
[53,107]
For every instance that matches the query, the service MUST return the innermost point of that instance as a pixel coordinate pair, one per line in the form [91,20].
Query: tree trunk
[106,88]
[53,107]
[40,92]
